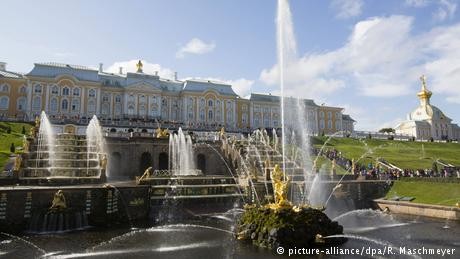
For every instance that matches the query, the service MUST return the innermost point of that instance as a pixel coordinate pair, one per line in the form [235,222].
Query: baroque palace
[73,94]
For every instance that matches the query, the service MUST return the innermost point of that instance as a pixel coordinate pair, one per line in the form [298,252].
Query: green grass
[427,192]
[6,139]
[325,165]
[404,154]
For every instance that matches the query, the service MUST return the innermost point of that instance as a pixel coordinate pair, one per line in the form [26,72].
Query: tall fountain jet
[294,122]
[181,154]
[45,143]
[95,142]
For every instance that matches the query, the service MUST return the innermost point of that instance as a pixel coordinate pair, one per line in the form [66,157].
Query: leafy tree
[387,130]
[8,130]
[12,148]
[23,130]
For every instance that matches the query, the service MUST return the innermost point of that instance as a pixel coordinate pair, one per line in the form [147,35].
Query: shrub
[12,148]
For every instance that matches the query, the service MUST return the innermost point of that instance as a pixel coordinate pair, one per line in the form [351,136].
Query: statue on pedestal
[103,162]
[333,171]
[17,163]
[280,184]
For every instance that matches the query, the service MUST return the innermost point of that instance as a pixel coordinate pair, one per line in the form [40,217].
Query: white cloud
[382,58]
[347,8]
[148,68]
[445,10]
[417,3]
[241,86]
[195,46]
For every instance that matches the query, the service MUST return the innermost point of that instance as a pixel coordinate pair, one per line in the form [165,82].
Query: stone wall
[128,157]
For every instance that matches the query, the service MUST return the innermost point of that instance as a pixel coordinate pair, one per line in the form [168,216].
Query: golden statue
[25,145]
[333,171]
[17,163]
[139,66]
[280,184]
[103,162]
[34,130]
[353,165]
[161,133]
[58,201]
[222,133]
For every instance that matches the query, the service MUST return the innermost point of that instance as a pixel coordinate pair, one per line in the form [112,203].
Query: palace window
[5,88]
[91,106]
[257,121]
[54,105]
[266,122]
[210,103]
[164,102]
[210,115]
[256,109]
[131,98]
[23,90]
[321,124]
[92,93]
[142,109]
[142,99]
[217,103]
[76,91]
[202,115]
[75,105]
[190,115]
[329,115]
[64,105]
[65,91]
[38,89]
[105,108]
[337,125]
[244,118]
[4,102]
[321,114]
[230,116]
[329,124]
[245,108]
[37,103]
[22,104]
[117,109]
[131,110]
[202,102]
[275,124]
[118,99]
[55,89]
[105,98]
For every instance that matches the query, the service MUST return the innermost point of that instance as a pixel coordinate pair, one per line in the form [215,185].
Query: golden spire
[139,66]
[424,95]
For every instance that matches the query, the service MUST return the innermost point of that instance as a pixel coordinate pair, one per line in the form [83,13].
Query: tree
[8,130]
[23,130]
[387,130]
[12,148]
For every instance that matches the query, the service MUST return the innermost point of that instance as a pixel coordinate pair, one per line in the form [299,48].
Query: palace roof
[9,74]
[194,85]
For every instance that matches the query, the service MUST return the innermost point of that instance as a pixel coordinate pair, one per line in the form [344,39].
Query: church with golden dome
[427,121]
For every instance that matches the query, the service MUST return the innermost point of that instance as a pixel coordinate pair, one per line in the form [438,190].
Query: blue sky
[363,55]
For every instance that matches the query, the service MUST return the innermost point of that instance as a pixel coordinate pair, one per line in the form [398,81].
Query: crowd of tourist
[384,171]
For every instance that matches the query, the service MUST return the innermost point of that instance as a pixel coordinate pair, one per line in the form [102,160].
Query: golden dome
[424,94]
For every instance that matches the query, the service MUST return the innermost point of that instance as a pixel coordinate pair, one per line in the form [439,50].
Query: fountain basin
[287,227]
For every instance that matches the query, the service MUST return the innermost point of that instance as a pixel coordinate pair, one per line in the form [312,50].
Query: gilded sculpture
[161,133]
[280,184]
[59,202]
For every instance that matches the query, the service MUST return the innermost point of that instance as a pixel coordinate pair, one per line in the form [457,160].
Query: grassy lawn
[427,192]
[6,139]
[412,155]
[325,165]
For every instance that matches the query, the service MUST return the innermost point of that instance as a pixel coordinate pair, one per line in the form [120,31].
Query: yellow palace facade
[70,93]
